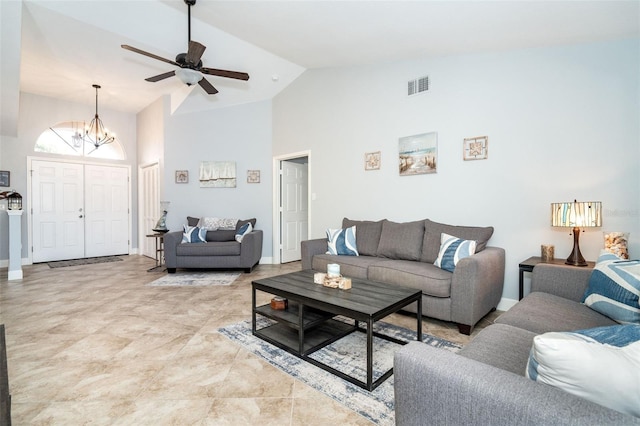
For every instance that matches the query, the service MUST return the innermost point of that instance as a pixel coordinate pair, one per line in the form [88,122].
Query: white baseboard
[506,304]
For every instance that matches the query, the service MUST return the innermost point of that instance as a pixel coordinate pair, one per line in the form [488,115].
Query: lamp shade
[189,76]
[574,214]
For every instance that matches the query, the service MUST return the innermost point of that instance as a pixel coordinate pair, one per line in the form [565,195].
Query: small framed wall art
[476,148]
[418,154]
[182,176]
[253,176]
[5,178]
[372,160]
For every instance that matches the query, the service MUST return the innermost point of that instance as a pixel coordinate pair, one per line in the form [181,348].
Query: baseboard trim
[506,304]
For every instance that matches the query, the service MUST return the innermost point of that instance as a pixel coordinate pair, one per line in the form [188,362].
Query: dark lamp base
[575,258]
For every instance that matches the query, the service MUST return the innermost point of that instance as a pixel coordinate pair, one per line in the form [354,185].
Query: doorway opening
[291,218]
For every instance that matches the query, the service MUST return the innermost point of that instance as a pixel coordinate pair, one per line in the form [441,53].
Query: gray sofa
[485,382]
[221,251]
[403,254]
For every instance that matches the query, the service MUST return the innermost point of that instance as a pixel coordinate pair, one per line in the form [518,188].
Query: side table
[530,263]
[159,251]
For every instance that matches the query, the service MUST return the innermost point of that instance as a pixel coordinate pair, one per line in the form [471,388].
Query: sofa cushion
[501,346]
[193,234]
[452,249]
[433,230]
[215,223]
[543,312]
[614,288]
[240,223]
[427,278]
[244,230]
[192,221]
[221,235]
[367,235]
[226,248]
[342,241]
[350,266]
[401,240]
[601,365]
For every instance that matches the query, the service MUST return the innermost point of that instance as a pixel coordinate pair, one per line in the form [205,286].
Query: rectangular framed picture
[218,174]
[253,176]
[476,148]
[5,178]
[418,154]
[182,176]
[372,160]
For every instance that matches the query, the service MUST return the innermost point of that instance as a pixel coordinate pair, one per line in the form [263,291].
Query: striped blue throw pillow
[614,288]
[452,249]
[342,241]
[601,364]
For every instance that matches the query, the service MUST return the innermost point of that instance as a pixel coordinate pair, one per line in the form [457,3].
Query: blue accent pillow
[342,241]
[452,249]
[244,230]
[194,234]
[614,288]
[601,364]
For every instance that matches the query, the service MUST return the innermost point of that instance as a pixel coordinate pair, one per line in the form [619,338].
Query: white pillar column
[15,244]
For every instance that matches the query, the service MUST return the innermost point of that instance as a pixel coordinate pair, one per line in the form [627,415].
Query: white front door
[294,222]
[106,210]
[58,215]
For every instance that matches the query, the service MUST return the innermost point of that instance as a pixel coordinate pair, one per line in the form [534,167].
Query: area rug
[88,261]
[347,355]
[195,279]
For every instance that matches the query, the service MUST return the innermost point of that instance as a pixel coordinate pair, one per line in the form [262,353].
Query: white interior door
[106,210]
[294,222]
[57,211]
[149,207]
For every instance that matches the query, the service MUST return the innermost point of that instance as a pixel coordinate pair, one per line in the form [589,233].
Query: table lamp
[577,215]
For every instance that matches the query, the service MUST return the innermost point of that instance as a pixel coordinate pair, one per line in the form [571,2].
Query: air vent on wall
[418,85]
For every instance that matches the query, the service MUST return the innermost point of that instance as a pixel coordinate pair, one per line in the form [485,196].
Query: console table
[530,263]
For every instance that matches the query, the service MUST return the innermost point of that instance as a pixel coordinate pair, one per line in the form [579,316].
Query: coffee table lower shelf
[288,338]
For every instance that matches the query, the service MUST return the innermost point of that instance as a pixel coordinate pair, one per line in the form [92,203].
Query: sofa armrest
[251,248]
[569,282]
[310,248]
[476,286]
[435,386]
[171,241]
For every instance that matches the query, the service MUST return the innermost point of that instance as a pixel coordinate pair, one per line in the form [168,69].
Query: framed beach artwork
[476,148]
[182,176]
[253,176]
[418,154]
[372,160]
[218,174]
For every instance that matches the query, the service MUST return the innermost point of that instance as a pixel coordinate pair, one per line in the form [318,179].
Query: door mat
[348,355]
[87,261]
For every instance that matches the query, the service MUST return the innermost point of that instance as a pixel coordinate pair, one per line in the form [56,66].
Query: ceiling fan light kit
[190,66]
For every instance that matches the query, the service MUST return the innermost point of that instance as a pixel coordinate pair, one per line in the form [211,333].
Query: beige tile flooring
[93,345]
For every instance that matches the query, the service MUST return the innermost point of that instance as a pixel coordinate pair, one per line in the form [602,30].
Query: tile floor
[93,345]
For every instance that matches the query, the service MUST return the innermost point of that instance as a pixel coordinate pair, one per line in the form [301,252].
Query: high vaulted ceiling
[66,46]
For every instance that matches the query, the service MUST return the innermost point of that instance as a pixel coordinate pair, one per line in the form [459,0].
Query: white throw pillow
[601,365]
[244,230]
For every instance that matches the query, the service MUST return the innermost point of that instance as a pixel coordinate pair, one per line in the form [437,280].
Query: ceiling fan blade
[151,55]
[161,76]
[195,52]
[225,73]
[208,87]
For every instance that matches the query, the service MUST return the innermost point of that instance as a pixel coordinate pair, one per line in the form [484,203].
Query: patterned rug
[88,261]
[195,279]
[347,355]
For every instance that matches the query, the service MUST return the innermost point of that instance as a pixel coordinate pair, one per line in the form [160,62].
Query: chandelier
[96,134]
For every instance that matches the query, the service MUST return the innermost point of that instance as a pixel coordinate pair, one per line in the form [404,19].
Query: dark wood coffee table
[308,324]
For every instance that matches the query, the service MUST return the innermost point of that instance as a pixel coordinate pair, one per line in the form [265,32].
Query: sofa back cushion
[434,230]
[402,240]
[367,235]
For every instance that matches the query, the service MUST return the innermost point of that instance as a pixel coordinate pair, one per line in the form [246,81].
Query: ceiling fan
[191,70]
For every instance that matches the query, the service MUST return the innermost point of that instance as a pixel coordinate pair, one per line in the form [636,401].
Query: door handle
[80,216]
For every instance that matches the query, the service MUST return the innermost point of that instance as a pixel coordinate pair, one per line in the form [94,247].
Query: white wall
[38,113]
[241,134]
[562,123]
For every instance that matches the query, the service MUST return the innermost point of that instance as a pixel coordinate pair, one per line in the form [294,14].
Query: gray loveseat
[485,382]
[221,251]
[403,254]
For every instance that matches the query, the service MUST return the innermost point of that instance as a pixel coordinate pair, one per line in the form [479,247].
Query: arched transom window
[66,138]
